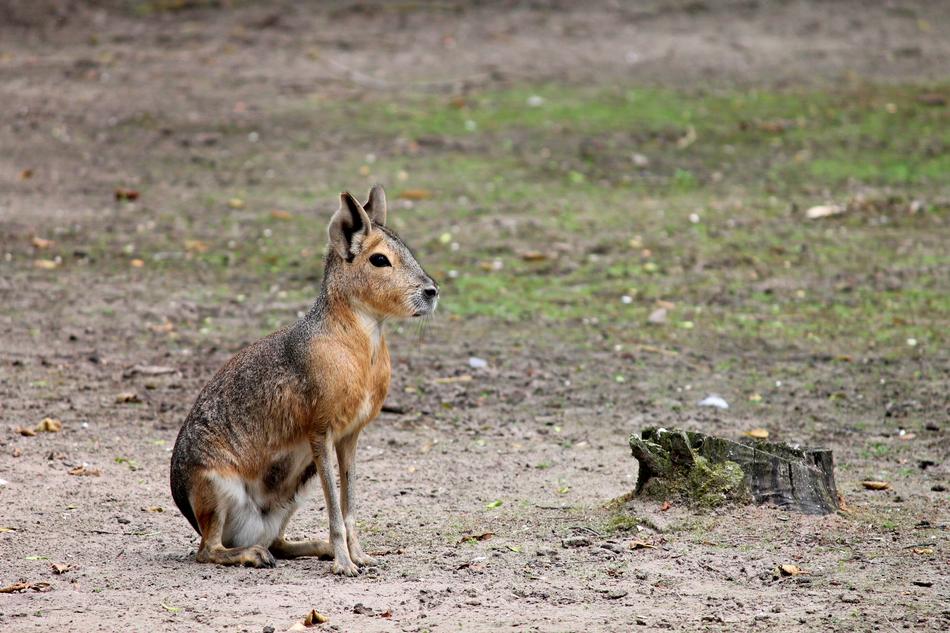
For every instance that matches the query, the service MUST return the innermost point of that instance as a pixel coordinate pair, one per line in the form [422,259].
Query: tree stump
[710,471]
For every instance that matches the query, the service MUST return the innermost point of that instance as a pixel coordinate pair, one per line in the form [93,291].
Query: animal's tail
[180,485]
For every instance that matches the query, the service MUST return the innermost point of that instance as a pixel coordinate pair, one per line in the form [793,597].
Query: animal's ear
[376,205]
[349,226]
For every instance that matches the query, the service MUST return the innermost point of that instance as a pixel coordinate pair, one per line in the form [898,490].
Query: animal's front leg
[346,456]
[342,564]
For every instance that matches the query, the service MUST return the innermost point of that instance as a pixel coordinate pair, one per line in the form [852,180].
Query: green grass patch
[632,196]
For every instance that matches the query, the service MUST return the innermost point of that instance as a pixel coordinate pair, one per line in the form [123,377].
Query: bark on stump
[711,470]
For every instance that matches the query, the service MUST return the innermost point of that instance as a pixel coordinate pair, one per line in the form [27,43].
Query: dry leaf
[448,380]
[387,614]
[49,425]
[928,98]
[876,485]
[122,193]
[45,264]
[415,194]
[824,211]
[923,550]
[196,246]
[476,537]
[154,509]
[60,568]
[658,316]
[162,328]
[314,618]
[40,244]
[791,570]
[137,263]
[666,506]
[688,139]
[776,126]
[641,545]
[759,434]
[7,529]
[533,256]
[843,504]
[150,370]
[82,471]
[236,203]
[127,397]
[491,266]
[279,214]
[26,174]
[24,431]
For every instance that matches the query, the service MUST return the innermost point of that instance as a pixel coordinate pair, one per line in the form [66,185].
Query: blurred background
[629,206]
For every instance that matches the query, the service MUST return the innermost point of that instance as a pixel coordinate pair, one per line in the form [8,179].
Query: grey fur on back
[236,399]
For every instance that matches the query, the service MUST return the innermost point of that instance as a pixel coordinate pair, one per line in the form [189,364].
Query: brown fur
[270,418]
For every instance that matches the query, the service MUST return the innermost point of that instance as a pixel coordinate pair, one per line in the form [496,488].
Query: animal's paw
[345,568]
[363,560]
[259,556]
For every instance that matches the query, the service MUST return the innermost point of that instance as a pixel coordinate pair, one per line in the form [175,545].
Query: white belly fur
[246,524]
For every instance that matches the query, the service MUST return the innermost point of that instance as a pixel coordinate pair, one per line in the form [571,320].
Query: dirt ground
[187,107]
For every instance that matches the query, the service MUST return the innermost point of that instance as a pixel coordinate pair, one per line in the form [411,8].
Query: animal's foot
[258,556]
[253,556]
[345,568]
[363,560]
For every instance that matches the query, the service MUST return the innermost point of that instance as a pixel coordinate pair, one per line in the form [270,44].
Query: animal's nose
[431,292]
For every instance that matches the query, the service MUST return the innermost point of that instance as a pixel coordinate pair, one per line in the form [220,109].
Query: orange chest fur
[352,385]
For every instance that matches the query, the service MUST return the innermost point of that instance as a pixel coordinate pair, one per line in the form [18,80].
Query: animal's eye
[379,260]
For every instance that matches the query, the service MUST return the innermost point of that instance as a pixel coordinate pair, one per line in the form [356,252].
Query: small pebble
[362,609]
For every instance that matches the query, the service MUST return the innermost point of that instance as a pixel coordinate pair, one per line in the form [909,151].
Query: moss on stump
[709,471]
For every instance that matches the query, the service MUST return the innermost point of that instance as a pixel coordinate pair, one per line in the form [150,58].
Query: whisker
[421,327]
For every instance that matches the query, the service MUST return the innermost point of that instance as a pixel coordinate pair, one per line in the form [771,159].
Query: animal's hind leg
[282,548]
[211,512]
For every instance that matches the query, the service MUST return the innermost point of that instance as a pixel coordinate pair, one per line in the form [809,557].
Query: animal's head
[372,266]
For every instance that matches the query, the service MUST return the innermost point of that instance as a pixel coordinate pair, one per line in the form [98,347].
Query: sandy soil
[75,88]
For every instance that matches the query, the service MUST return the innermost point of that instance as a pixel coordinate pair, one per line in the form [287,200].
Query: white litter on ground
[712,400]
